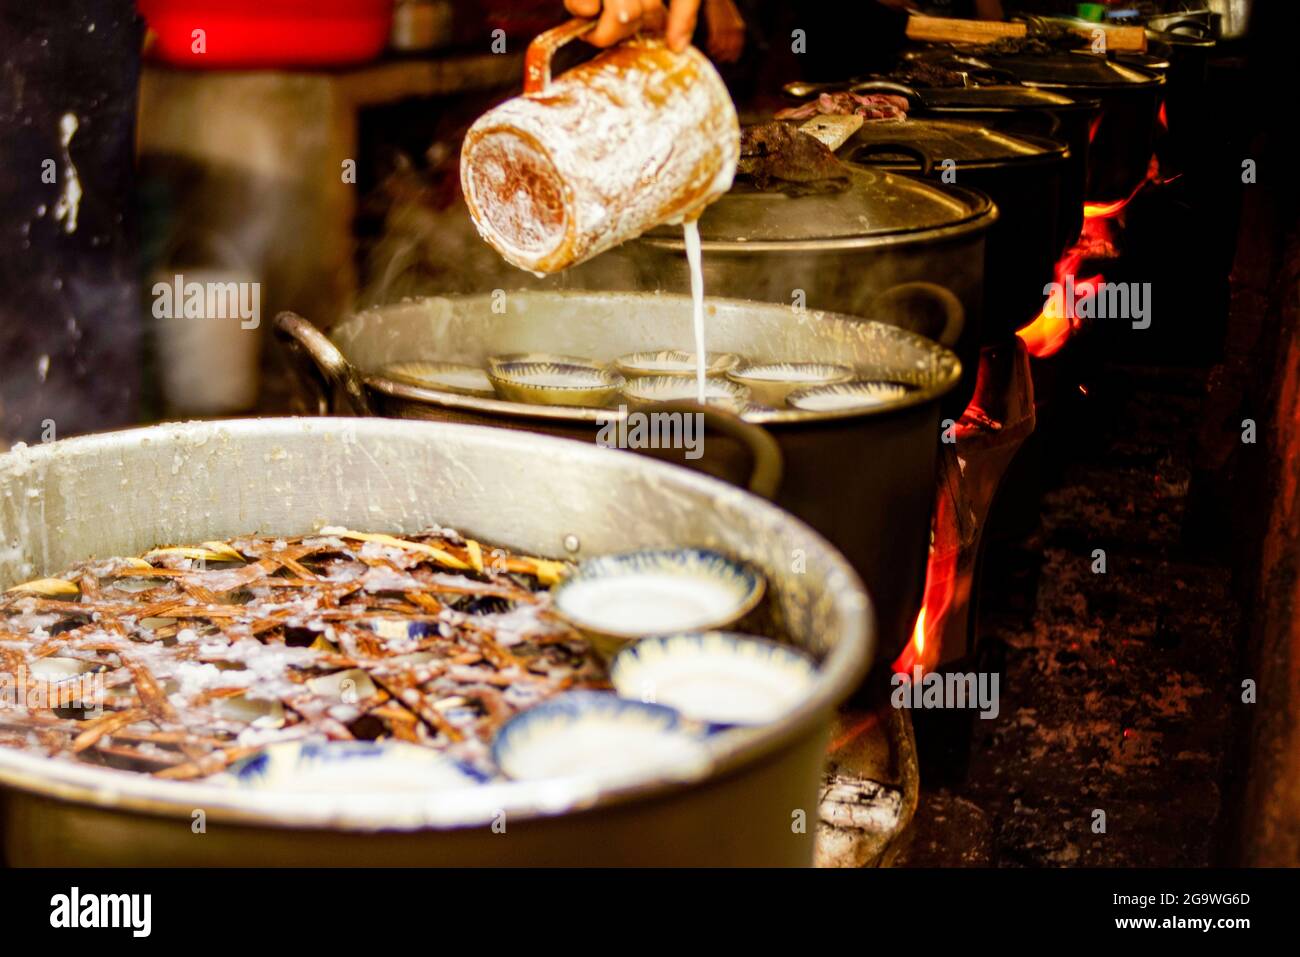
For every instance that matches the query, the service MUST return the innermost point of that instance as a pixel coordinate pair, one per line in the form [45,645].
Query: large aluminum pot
[1023,175]
[865,480]
[1021,111]
[857,252]
[1130,97]
[1232,18]
[1188,45]
[122,493]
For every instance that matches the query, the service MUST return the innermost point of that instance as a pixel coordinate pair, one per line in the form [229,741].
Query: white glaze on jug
[636,137]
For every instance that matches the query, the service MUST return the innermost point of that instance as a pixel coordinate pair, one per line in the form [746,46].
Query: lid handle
[914,99]
[861,154]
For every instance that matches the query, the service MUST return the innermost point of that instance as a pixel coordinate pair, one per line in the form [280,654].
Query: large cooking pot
[1130,99]
[1231,18]
[1188,45]
[1203,17]
[1019,110]
[1024,176]
[121,493]
[864,479]
[860,251]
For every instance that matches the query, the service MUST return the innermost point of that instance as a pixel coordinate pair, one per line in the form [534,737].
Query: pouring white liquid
[691,233]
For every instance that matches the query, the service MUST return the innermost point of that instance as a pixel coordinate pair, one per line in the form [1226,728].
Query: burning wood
[859,803]
[859,819]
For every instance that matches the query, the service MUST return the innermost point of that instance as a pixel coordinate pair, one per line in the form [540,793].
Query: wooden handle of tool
[949,30]
[1118,39]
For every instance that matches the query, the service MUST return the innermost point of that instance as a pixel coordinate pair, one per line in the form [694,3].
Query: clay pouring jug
[635,137]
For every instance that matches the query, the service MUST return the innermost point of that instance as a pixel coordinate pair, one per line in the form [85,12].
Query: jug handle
[767,462]
[321,365]
[537,59]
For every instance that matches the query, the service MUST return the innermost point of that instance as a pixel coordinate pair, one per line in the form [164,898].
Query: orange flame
[1052,328]
[1113,209]
[1104,210]
[940,586]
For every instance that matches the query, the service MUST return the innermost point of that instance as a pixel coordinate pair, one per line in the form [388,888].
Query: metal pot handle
[323,368]
[1202,30]
[995,73]
[889,86]
[1053,119]
[907,149]
[537,59]
[954,316]
[804,90]
[768,464]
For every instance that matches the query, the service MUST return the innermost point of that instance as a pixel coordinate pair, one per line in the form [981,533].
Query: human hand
[620,19]
[726,30]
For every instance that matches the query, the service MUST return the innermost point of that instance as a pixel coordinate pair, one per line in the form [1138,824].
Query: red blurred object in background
[267,33]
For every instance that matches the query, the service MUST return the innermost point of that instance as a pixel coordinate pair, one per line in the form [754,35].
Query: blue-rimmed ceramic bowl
[369,767]
[455,377]
[619,598]
[554,383]
[557,358]
[771,382]
[596,735]
[718,677]
[836,397]
[673,362]
[647,391]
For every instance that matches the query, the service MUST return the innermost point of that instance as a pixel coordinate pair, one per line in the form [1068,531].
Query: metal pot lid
[1002,97]
[965,143]
[1073,69]
[1159,40]
[1153,60]
[875,206]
